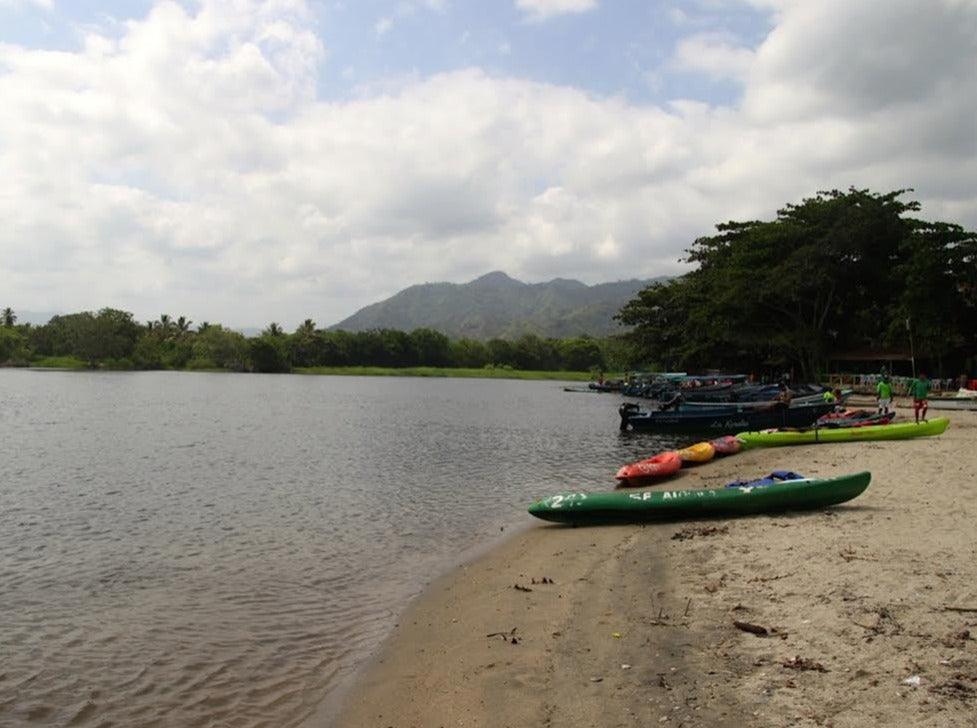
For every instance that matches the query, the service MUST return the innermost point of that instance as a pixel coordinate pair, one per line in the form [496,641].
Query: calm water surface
[223,550]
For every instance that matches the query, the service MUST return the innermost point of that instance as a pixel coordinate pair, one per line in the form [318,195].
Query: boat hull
[722,420]
[895,431]
[620,507]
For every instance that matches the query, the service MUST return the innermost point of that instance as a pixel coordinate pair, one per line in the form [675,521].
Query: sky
[253,161]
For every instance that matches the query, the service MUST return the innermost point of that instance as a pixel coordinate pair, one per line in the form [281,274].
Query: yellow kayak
[701,452]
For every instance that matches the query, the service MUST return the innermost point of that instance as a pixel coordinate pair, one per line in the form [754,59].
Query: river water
[186,550]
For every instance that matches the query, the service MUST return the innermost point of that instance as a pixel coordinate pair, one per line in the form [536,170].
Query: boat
[727,445]
[854,418]
[700,452]
[658,466]
[723,419]
[625,507]
[893,431]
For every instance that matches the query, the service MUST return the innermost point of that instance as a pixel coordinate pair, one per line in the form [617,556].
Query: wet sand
[869,609]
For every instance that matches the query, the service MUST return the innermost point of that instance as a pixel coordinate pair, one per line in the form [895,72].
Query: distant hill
[497,306]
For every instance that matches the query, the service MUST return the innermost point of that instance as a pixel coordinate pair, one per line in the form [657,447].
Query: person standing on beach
[919,390]
[883,395]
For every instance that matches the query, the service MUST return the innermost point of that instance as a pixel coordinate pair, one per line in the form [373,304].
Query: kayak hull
[895,431]
[659,466]
[618,507]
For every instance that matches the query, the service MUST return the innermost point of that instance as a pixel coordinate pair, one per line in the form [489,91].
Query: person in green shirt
[919,390]
[883,395]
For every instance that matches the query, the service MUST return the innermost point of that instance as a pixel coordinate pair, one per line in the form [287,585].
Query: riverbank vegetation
[112,339]
[842,275]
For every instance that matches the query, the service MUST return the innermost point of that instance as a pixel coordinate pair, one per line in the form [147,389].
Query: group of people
[918,390]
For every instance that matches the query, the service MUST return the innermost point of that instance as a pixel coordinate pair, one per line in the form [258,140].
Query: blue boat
[723,419]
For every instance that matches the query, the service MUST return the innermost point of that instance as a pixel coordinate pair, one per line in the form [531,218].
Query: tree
[268,354]
[431,348]
[110,335]
[9,317]
[826,275]
[14,347]
[305,345]
[469,353]
[581,354]
[217,347]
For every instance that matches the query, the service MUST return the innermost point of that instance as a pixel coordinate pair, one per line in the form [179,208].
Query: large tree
[841,270]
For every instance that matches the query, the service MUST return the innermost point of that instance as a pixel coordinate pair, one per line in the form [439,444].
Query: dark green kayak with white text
[629,507]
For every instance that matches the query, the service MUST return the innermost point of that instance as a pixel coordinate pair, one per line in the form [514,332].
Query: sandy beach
[868,611]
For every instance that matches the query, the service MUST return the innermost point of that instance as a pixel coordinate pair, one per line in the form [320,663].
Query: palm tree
[183,325]
[307,328]
[273,329]
[9,317]
[164,326]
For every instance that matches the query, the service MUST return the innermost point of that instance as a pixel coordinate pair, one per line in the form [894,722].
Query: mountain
[497,306]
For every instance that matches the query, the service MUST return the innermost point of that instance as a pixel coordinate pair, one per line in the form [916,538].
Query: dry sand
[870,609]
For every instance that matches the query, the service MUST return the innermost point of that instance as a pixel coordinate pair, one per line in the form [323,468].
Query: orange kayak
[659,466]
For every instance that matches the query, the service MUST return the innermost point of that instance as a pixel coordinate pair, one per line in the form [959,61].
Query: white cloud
[383,26]
[185,165]
[44,4]
[543,10]
[716,55]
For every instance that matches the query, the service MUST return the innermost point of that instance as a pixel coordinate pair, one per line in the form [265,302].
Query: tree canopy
[839,272]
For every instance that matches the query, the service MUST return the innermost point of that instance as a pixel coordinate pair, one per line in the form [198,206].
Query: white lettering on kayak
[566,499]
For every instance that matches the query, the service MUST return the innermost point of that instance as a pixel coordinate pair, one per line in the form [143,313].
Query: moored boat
[723,419]
[893,431]
[618,507]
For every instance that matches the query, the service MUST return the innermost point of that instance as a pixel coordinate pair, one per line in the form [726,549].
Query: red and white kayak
[659,466]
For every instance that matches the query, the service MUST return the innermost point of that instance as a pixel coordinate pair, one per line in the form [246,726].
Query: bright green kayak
[620,507]
[892,431]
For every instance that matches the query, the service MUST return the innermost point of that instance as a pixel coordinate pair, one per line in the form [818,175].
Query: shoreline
[870,609]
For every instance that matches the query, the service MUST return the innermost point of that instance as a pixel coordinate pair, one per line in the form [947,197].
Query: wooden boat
[624,507]
[894,431]
[659,466]
[723,419]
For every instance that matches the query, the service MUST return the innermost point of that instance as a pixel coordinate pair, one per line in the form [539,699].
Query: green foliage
[226,349]
[14,347]
[58,362]
[840,271]
[268,354]
[583,354]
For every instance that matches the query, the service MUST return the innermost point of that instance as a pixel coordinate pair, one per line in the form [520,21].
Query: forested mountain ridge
[497,306]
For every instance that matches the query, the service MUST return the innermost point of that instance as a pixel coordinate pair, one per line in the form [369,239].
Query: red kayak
[659,466]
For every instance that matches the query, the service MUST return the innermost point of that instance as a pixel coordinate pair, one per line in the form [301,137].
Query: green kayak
[619,507]
[892,431]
